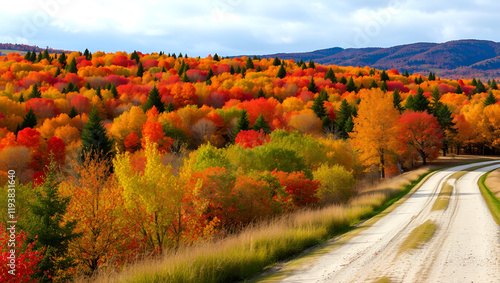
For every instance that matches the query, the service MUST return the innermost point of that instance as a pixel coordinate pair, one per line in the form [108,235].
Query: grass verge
[490,198]
[383,280]
[443,198]
[420,235]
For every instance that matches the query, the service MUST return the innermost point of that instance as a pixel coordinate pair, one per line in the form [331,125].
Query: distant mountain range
[453,59]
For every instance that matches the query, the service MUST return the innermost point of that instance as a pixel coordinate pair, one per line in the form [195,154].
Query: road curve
[464,248]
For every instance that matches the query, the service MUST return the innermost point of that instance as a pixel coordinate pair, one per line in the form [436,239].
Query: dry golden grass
[383,280]
[493,182]
[419,236]
[241,256]
[443,198]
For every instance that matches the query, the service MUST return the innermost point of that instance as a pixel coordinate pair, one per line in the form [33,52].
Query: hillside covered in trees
[129,154]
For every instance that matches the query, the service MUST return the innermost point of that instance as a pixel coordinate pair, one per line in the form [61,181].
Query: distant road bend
[464,248]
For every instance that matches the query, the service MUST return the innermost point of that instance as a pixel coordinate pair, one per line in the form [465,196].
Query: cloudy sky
[236,27]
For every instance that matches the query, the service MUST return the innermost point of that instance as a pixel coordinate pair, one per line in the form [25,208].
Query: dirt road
[464,248]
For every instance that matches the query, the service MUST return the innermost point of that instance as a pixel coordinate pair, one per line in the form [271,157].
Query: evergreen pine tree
[33,56]
[418,102]
[98,92]
[327,124]
[343,115]
[27,56]
[459,89]
[350,85]
[319,104]
[87,85]
[243,72]
[135,56]
[72,67]
[435,103]
[406,74]
[238,70]
[45,225]
[383,86]
[372,72]
[474,82]
[174,56]
[384,76]
[154,99]
[331,75]
[250,63]
[216,57]
[493,84]
[281,72]
[35,92]
[343,80]
[170,107]
[490,99]
[242,125]
[73,113]
[312,86]
[396,100]
[349,126]
[231,70]
[276,61]
[29,120]
[114,91]
[57,73]
[140,70]
[208,82]
[261,94]
[181,69]
[185,78]
[311,64]
[62,59]
[258,69]
[480,88]
[94,138]
[210,74]
[261,124]
[21,98]
[373,85]
[40,57]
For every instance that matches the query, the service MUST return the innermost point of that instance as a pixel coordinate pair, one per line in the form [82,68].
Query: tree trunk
[382,169]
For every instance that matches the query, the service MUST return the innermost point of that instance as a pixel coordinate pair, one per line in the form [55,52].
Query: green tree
[312,86]
[98,92]
[154,99]
[135,56]
[383,86]
[95,141]
[33,56]
[114,91]
[72,67]
[250,63]
[396,100]
[185,78]
[344,113]
[373,85]
[216,57]
[87,54]
[318,105]
[276,61]
[384,76]
[261,94]
[351,86]
[490,99]
[27,57]
[418,102]
[281,72]
[58,72]
[311,64]
[210,74]
[231,70]
[261,124]
[493,84]
[459,90]
[331,75]
[21,98]
[35,92]
[480,88]
[243,124]
[29,120]
[435,103]
[343,80]
[73,113]
[170,107]
[46,54]
[140,70]
[47,229]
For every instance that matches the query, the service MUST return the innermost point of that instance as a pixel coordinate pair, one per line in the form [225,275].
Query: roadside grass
[489,197]
[420,235]
[493,182]
[443,198]
[383,280]
[242,256]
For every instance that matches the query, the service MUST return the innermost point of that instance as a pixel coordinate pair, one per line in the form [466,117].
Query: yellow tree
[375,132]
[160,193]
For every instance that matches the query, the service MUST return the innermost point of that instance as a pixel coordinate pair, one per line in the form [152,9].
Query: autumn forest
[121,156]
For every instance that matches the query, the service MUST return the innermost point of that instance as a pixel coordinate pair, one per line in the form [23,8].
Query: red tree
[420,132]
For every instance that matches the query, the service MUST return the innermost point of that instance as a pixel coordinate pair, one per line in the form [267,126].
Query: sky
[242,27]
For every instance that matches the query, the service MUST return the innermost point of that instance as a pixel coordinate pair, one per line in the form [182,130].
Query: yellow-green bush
[336,184]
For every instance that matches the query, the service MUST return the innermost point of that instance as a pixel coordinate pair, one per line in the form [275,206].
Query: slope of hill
[6,48]
[461,58]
